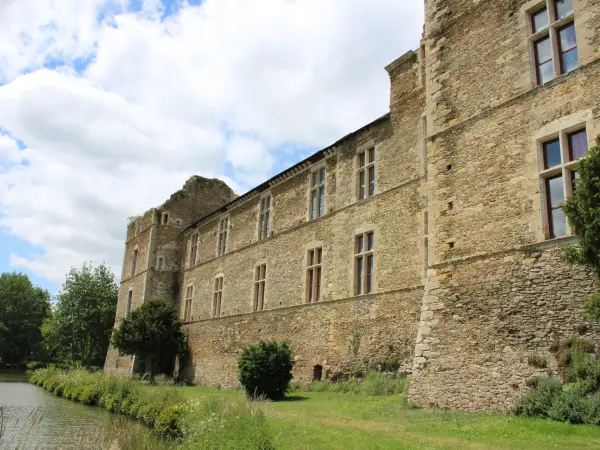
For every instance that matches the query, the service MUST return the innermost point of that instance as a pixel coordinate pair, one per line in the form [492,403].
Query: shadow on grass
[293,398]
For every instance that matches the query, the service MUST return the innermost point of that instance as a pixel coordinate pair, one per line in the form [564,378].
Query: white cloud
[225,83]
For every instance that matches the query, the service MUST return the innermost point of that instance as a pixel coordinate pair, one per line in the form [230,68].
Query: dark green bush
[537,403]
[265,370]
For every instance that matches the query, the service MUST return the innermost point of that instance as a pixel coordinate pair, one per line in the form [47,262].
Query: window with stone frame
[193,249]
[134,262]
[365,174]
[128,305]
[559,159]
[161,263]
[553,39]
[260,278]
[317,193]
[264,218]
[217,297]
[223,229]
[313,275]
[165,218]
[364,263]
[187,313]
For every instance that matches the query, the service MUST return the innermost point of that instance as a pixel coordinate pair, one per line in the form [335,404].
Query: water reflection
[32,418]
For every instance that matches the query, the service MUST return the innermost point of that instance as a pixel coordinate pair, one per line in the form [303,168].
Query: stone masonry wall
[482,318]
[336,335]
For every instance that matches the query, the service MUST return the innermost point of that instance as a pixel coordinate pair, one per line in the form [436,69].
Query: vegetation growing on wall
[583,212]
[152,332]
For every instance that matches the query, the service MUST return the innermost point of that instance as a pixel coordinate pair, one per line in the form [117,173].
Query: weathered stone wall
[483,317]
[336,335]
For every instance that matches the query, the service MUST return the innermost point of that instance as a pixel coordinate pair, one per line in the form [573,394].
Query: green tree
[79,328]
[152,332]
[23,308]
[265,369]
[583,212]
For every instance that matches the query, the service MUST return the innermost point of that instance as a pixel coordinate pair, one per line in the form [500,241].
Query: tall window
[313,275]
[217,297]
[365,174]
[364,263]
[317,194]
[260,276]
[128,306]
[554,23]
[558,173]
[161,263]
[223,225]
[134,262]
[187,314]
[165,218]
[193,249]
[264,221]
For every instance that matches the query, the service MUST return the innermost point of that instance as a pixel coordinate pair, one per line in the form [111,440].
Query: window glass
[569,60]
[559,223]
[539,20]
[568,39]
[552,154]
[556,194]
[544,50]
[578,144]
[563,8]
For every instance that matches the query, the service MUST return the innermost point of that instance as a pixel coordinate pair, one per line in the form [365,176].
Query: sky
[109,106]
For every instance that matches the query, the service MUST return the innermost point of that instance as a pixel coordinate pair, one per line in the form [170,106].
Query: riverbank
[326,420]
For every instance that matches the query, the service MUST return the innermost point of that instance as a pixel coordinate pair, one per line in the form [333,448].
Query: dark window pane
[310,285]
[371,155]
[555,192]
[314,205]
[318,283]
[361,185]
[539,20]
[319,255]
[563,8]
[370,264]
[359,244]
[315,179]
[543,50]
[371,181]
[359,276]
[371,240]
[322,201]
[362,159]
[559,223]
[552,154]
[578,144]
[569,60]
[322,175]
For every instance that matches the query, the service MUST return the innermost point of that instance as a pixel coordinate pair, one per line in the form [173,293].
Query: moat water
[31,418]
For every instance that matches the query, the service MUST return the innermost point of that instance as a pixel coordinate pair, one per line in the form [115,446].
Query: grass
[332,420]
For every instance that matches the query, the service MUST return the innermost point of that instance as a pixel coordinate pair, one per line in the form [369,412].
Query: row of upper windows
[554,39]
[363,278]
[365,188]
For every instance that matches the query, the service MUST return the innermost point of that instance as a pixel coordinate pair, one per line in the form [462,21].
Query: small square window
[552,156]
[563,8]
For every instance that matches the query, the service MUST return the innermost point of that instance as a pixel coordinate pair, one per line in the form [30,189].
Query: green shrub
[539,401]
[265,370]
[537,361]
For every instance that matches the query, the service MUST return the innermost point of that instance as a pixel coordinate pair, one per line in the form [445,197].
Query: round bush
[265,369]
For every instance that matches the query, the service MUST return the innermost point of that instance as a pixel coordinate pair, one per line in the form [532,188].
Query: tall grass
[212,423]
[374,383]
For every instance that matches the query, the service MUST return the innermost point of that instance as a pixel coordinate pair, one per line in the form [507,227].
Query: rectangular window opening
[218,297]
[264,221]
[365,174]
[223,227]
[317,194]
[134,262]
[128,306]
[189,293]
[193,249]
[313,275]
[260,276]
[364,263]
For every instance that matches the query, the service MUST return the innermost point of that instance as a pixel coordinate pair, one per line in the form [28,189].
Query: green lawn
[314,420]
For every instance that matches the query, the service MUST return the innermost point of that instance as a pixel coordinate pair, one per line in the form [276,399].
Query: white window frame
[223,236]
[361,267]
[193,250]
[128,304]
[260,287]
[366,168]
[564,169]
[554,25]
[265,216]
[314,275]
[189,296]
[317,184]
[217,296]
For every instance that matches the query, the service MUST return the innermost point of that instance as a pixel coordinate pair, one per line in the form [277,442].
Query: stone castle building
[429,237]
